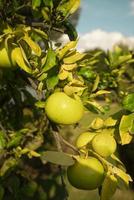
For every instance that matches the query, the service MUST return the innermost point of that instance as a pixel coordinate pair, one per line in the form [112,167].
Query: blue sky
[107,15]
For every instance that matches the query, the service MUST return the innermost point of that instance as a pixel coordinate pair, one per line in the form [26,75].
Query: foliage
[29,141]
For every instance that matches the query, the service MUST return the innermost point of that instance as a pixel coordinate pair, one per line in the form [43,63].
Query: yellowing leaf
[33,45]
[69,67]
[63,74]
[109,187]
[68,7]
[122,177]
[100,92]
[96,82]
[96,106]
[62,52]
[18,57]
[70,90]
[110,122]
[97,123]
[125,127]
[74,58]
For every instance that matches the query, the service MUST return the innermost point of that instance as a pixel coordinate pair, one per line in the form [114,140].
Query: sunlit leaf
[73,58]
[61,52]
[109,187]
[68,7]
[33,45]
[96,82]
[36,3]
[18,57]
[50,60]
[124,128]
[128,102]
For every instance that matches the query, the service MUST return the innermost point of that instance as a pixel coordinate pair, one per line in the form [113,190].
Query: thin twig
[59,147]
[41,24]
[68,144]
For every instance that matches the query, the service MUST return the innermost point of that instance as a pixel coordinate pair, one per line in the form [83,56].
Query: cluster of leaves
[25,131]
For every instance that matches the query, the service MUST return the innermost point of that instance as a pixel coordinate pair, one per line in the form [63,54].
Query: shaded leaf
[2,140]
[8,165]
[36,3]
[2,191]
[58,158]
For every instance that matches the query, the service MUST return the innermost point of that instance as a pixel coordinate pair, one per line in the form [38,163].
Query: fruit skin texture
[84,138]
[63,109]
[104,144]
[5,59]
[86,173]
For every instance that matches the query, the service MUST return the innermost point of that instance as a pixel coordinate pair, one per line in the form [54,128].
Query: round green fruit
[104,144]
[63,109]
[84,139]
[6,60]
[86,173]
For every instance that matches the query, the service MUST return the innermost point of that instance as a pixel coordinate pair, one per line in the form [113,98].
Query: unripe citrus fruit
[84,138]
[86,173]
[104,144]
[63,109]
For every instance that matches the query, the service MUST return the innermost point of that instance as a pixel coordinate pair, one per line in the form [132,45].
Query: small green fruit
[63,109]
[86,173]
[104,144]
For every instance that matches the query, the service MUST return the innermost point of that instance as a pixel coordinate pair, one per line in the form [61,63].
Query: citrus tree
[45,89]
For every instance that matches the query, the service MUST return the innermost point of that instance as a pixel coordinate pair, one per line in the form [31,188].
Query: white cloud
[132,6]
[101,39]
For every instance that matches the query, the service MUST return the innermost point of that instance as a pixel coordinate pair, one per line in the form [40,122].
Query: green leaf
[70,30]
[109,187]
[48,3]
[2,140]
[128,102]
[15,140]
[9,164]
[2,191]
[125,126]
[36,3]
[51,60]
[58,158]
[52,81]
[40,104]
[29,189]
